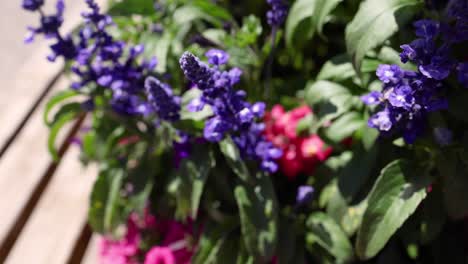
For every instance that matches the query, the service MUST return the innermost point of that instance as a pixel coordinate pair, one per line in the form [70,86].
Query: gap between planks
[25,172]
[54,227]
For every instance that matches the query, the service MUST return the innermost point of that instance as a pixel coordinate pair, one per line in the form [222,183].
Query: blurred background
[43,203]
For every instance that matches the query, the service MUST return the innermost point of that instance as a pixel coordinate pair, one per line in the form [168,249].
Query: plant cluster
[252,131]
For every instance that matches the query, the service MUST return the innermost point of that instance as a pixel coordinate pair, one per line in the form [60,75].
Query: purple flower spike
[217,57]
[32,5]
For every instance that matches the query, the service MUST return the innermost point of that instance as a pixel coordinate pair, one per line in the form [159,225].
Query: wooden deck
[43,203]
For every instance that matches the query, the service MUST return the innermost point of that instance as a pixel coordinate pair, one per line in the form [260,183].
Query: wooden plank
[50,235]
[24,171]
[92,251]
[25,85]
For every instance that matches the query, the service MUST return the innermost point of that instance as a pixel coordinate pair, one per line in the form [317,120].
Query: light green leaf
[54,101]
[395,196]
[337,69]
[375,22]
[324,231]
[55,130]
[344,126]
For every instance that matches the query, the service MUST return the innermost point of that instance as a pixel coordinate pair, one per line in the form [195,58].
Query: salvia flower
[232,114]
[408,96]
[217,57]
[304,194]
[32,5]
[161,99]
[278,12]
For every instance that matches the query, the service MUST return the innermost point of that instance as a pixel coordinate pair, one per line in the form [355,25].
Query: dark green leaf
[455,179]
[258,214]
[356,172]
[103,213]
[394,197]
[232,155]
[375,22]
[324,231]
[311,15]
[195,170]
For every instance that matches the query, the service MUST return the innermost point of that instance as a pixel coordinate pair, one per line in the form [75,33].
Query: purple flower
[401,96]
[304,194]
[232,115]
[215,128]
[372,98]
[389,73]
[426,28]
[161,99]
[381,120]
[278,12]
[217,57]
[462,69]
[32,5]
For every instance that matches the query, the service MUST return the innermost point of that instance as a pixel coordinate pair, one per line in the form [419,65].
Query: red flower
[301,153]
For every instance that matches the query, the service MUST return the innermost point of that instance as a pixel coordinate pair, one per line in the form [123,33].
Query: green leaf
[356,172]
[131,7]
[54,101]
[213,9]
[324,231]
[103,212]
[307,17]
[54,131]
[258,215]
[337,69]
[196,169]
[189,13]
[394,197]
[251,29]
[375,22]
[344,126]
[213,241]
[331,99]
[233,158]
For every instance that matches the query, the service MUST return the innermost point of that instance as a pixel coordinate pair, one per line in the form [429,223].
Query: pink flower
[160,255]
[121,251]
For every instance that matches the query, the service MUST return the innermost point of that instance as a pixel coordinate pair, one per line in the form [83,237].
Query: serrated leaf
[324,231]
[375,22]
[394,197]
